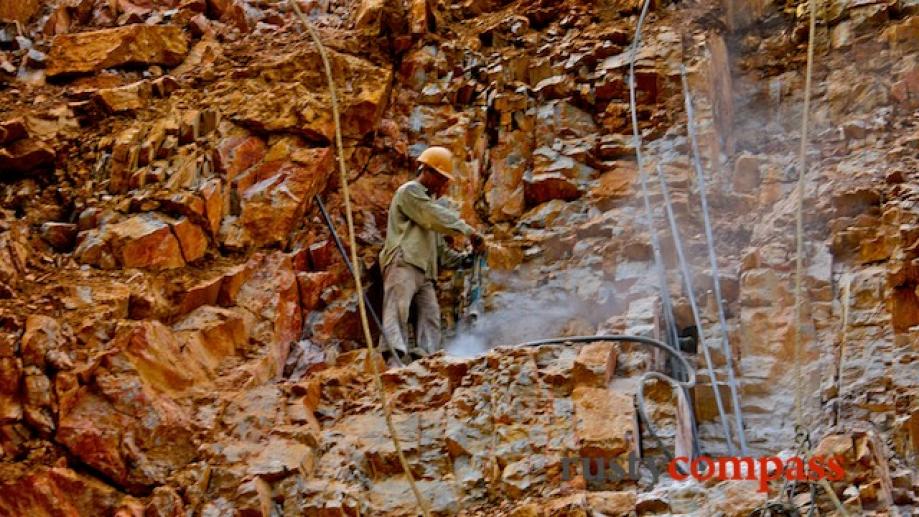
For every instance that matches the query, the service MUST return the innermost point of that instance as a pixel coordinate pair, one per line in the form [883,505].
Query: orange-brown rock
[165,502]
[10,384]
[617,183]
[204,292]
[600,434]
[233,280]
[504,257]
[904,308]
[504,188]
[93,249]
[12,130]
[148,240]
[192,239]
[38,403]
[209,334]
[43,335]
[185,203]
[212,193]
[58,491]
[613,147]
[612,504]
[323,254]
[594,365]
[60,235]
[236,13]
[25,155]
[271,293]
[124,98]
[145,241]
[19,10]
[546,186]
[340,320]
[271,208]
[746,176]
[290,94]
[58,22]
[14,254]
[236,154]
[155,356]
[121,420]
[138,44]
[311,286]
[736,498]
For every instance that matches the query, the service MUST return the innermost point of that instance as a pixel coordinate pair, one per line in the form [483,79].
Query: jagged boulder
[271,292]
[236,154]
[12,130]
[272,207]
[25,155]
[58,491]
[546,186]
[617,183]
[290,94]
[119,415]
[145,241]
[604,422]
[60,235]
[209,334]
[10,380]
[19,10]
[504,187]
[124,98]
[137,44]
[237,13]
[15,252]
[149,241]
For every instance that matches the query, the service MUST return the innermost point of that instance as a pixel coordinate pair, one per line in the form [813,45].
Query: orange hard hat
[440,159]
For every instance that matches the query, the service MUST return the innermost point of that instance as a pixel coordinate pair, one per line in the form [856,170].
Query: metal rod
[713,261]
[687,281]
[669,319]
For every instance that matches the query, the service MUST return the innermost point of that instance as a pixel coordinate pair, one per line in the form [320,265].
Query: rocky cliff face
[178,335]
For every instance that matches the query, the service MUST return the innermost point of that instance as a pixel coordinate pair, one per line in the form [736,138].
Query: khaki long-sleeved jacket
[416,225]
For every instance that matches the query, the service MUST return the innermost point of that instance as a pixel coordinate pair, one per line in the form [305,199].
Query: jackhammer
[470,303]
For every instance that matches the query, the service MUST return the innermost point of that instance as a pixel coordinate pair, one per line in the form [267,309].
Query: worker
[414,246]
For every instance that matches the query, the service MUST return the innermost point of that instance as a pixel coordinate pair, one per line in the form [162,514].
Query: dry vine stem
[346,195]
[799,213]
[799,242]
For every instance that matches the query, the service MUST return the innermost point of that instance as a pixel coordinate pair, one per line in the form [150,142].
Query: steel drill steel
[693,306]
[713,262]
[636,142]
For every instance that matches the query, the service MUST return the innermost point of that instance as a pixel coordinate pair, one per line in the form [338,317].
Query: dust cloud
[534,304]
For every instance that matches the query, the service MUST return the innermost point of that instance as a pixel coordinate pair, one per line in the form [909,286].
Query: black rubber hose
[344,256]
[691,373]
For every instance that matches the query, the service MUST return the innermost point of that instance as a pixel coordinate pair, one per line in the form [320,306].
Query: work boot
[402,358]
[418,353]
[394,361]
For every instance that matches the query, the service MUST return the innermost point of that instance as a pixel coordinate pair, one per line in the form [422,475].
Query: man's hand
[478,242]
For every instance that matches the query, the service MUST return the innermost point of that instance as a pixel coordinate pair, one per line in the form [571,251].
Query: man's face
[434,182]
